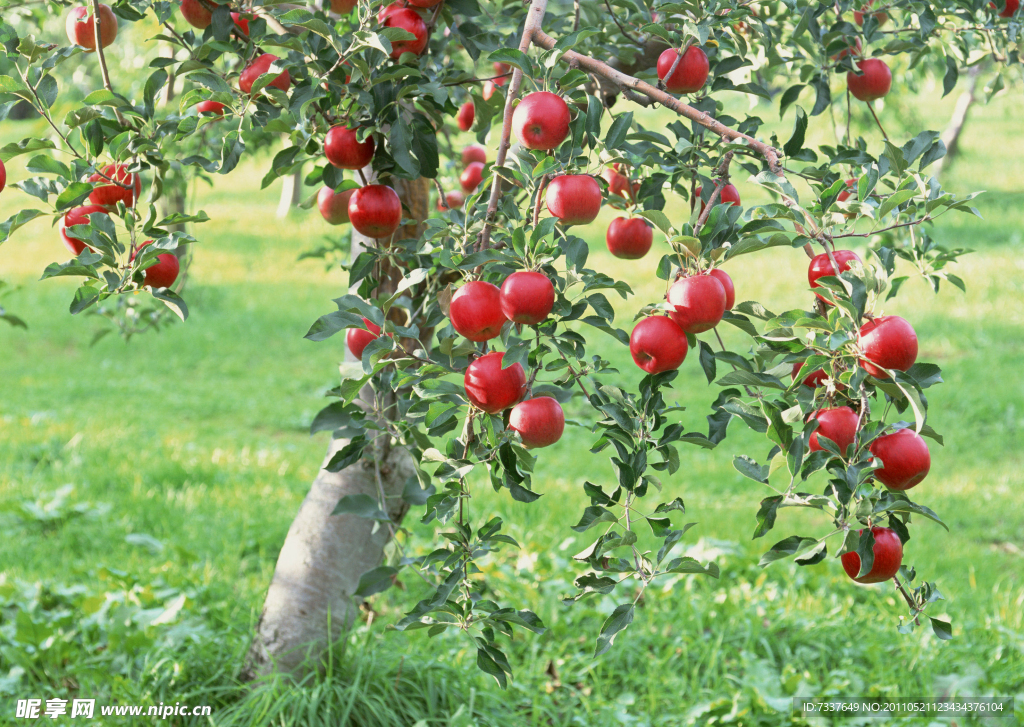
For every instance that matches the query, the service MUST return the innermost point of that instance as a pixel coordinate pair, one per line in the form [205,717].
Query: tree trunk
[291,193]
[311,598]
[951,136]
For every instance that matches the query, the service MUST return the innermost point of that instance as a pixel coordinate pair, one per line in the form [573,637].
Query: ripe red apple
[821,266]
[3,176]
[80,30]
[541,120]
[814,379]
[471,177]
[851,49]
[888,552]
[699,302]
[109,195]
[838,424]
[691,73]
[213,108]
[500,69]
[241,22]
[730,291]
[527,297]
[343,7]
[492,388]
[196,14]
[474,153]
[728,195]
[334,205]
[408,20]
[357,339]
[488,90]
[260,66]
[629,238]
[887,342]
[1008,9]
[344,150]
[77,216]
[858,15]
[575,199]
[388,10]
[424,3]
[455,200]
[466,115]
[375,210]
[475,311]
[540,421]
[619,183]
[851,189]
[163,273]
[658,344]
[906,459]
[874,83]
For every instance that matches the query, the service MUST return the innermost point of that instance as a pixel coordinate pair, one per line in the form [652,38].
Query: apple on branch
[658,344]
[539,421]
[490,387]
[375,211]
[888,552]
[527,297]
[699,302]
[333,205]
[81,31]
[475,311]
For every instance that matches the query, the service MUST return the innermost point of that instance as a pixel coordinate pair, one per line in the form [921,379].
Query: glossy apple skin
[575,199]
[471,177]
[619,183]
[474,153]
[343,7]
[3,176]
[888,552]
[375,210]
[851,188]
[527,297]
[887,342]
[906,459]
[260,66]
[541,120]
[475,311]
[699,303]
[196,14]
[858,15]
[691,73]
[821,266]
[241,22]
[213,108]
[492,388]
[730,290]
[540,421]
[334,206]
[1008,9]
[80,30]
[357,339]
[77,216]
[629,238]
[728,195]
[455,200]
[658,344]
[500,69]
[838,424]
[344,150]
[109,195]
[388,10]
[164,272]
[466,115]
[409,20]
[874,83]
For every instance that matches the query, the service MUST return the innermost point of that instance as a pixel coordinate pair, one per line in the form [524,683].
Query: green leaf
[942,629]
[515,58]
[592,516]
[15,221]
[374,581]
[748,467]
[360,506]
[784,548]
[620,618]
[616,136]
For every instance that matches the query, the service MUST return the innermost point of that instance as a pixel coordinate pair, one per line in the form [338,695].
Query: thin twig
[99,54]
[926,218]
[881,128]
[625,33]
[721,179]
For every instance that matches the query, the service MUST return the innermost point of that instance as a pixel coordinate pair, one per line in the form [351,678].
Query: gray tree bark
[951,136]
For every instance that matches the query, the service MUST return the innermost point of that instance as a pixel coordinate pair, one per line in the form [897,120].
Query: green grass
[187,455]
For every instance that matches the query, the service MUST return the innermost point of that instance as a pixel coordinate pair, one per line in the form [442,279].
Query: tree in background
[469,328]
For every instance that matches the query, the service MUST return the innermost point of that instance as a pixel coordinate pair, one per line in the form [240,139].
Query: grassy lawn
[145,491]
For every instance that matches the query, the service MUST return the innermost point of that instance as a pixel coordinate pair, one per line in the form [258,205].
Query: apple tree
[472,314]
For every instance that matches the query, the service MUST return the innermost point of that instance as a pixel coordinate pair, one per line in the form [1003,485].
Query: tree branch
[721,179]
[97,38]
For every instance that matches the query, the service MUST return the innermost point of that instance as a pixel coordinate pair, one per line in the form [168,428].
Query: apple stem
[540,191]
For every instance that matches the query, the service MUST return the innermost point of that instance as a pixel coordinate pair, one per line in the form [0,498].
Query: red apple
[109,195]
[375,210]
[575,199]
[465,116]
[213,108]
[821,266]
[410,21]
[906,459]
[471,177]
[658,344]
[527,297]
[357,339]
[163,273]
[343,7]
[488,90]
[241,22]
[474,153]
[77,216]
[388,10]
[500,69]
[691,73]
[424,3]
[851,49]
[1008,9]
[814,379]
[541,120]
[888,552]
[874,83]
[851,189]
[730,291]
[728,195]
[858,15]
[838,424]
[80,29]
[539,421]
[629,238]
[3,176]
[619,183]
[887,342]
[344,150]
[699,302]
[257,68]
[196,14]
[492,388]
[455,200]
[475,311]
[334,205]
